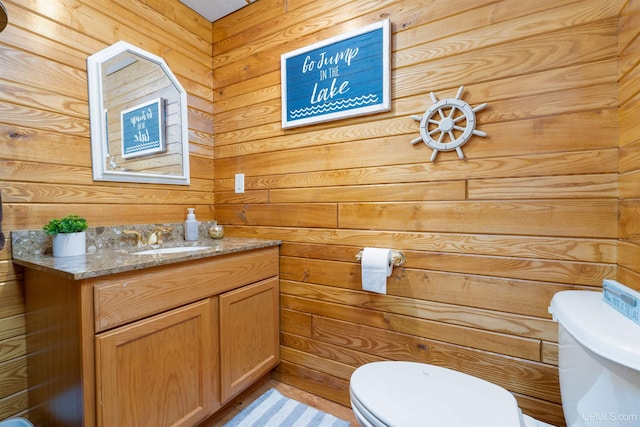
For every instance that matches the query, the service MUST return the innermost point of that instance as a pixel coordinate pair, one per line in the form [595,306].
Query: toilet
[599,369]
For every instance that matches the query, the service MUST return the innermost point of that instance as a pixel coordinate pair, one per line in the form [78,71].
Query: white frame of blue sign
[156,128]
[325,68]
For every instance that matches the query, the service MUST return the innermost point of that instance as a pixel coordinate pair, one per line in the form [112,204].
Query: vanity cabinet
[158,371]
[249,339]
[160,346]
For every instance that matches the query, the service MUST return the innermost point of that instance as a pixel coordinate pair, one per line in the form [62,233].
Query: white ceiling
[216,9]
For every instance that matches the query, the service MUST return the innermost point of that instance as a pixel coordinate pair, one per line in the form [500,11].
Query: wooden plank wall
[45,160]
[488,240]
[629,141]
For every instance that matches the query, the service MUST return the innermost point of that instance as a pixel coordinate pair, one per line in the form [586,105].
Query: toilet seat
[408,394]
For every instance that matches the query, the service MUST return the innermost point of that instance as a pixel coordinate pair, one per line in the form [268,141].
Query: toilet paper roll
[376,267]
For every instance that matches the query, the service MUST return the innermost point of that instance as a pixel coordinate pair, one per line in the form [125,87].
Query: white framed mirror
[138,114]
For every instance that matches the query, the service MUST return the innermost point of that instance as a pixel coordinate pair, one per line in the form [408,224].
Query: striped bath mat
[272,409]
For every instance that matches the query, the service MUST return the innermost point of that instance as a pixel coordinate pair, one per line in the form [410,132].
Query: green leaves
[69,224]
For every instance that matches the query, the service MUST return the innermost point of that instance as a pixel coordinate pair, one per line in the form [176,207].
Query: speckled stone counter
[109,251]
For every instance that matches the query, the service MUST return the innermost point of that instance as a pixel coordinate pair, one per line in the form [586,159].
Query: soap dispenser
[191,225]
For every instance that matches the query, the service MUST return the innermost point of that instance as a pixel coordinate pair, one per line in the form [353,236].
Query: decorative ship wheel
[454,123]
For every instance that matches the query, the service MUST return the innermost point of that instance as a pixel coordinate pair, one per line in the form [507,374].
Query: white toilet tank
[599,361]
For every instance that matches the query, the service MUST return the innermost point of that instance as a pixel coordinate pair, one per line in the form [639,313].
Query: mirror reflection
[139,130]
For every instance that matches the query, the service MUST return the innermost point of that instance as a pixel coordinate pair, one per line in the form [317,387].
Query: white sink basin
[173,250]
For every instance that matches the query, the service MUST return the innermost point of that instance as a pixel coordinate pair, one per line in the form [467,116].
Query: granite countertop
[110,252]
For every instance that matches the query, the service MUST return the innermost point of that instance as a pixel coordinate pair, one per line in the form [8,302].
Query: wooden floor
[245,399]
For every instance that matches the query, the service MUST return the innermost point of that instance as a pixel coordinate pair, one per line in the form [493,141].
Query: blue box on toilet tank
[622,298]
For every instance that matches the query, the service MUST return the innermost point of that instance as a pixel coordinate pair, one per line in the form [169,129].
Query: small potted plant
[69,236]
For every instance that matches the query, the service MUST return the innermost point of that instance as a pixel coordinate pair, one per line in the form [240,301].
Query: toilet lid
[416,394]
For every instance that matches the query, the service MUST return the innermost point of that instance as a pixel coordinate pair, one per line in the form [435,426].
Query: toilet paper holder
[397,258]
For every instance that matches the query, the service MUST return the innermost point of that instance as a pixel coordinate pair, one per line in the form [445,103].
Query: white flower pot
[69,244]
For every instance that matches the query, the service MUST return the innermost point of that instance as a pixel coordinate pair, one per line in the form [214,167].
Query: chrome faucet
[154,238]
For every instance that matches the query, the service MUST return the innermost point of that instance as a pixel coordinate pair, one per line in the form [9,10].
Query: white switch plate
[239,183]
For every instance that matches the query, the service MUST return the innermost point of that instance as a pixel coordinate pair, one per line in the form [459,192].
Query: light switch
[239,183]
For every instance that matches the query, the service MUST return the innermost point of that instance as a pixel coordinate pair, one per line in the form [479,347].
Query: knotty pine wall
[45,160]
[533,210]
[629,143]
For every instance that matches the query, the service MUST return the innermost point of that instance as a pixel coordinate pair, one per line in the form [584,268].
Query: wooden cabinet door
[160,371]
[249,335]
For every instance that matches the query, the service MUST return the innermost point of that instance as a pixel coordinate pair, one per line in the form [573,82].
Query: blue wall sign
[344,76]
[143,129]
